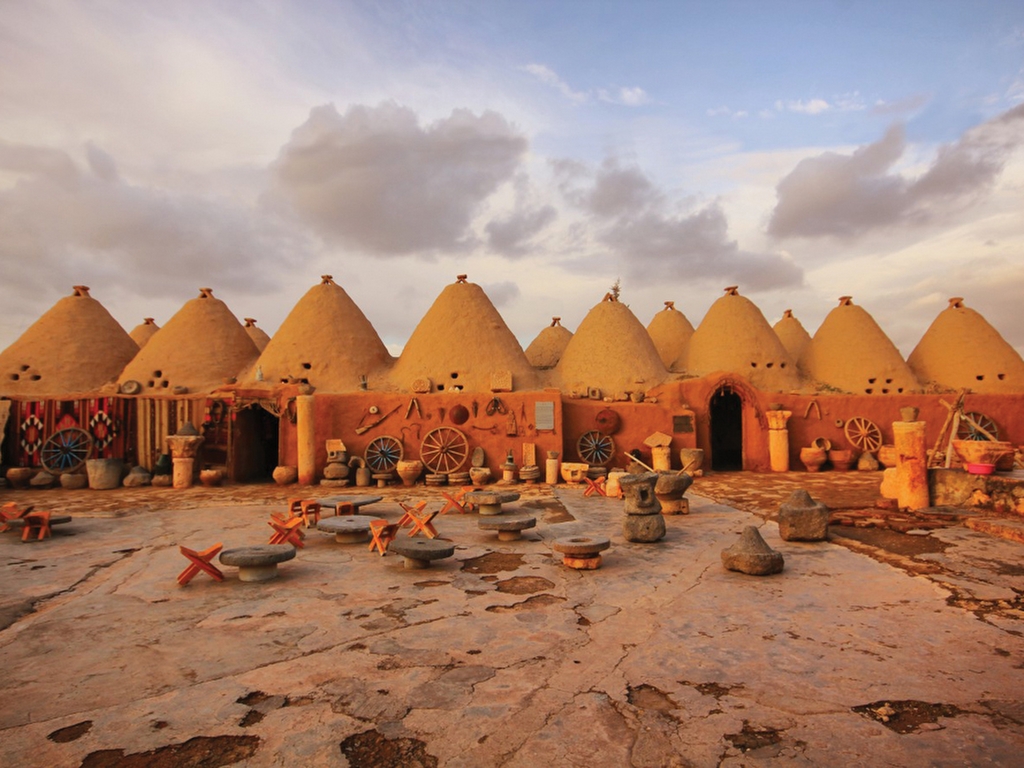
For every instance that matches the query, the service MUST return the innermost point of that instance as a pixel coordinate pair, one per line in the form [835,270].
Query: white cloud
[548,76]
[809,107]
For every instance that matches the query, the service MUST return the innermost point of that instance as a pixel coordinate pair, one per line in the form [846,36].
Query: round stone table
[258,563]
[489,502]
[581,552]
[347,529]
[509,527]
[419,553]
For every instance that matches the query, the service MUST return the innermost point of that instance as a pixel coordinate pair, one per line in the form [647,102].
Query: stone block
[643,528]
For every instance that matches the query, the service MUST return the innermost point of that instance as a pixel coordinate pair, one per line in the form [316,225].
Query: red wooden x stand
[594,487]
[345,508]
[11,511]
[457,503]
[408,518]
[36,524]
[287,531]
[421,521]
[383,534]
[200,561]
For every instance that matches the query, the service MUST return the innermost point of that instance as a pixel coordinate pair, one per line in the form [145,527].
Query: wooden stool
[457,503]
[287,532]
[200,561]
[36,524]
[595,487]
[11,511]
[383,534]
[310,509]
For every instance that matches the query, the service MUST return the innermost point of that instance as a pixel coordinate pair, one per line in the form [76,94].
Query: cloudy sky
[801,150]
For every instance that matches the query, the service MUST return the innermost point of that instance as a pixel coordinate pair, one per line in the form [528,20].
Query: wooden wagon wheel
[863,434]
[967,431]
[444,450]
[383,453]
[595,447]
[66,450]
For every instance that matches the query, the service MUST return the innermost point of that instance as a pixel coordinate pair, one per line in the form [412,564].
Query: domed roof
[792,334]
[326,341]
[851,353]
[671,331]
[735,337]
[462,343]
[546,350]
[610,351]
[961,350]
[74,348]
[258,335]
[144,331]
[198,348]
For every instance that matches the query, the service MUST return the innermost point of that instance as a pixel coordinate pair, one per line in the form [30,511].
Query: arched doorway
[726,409]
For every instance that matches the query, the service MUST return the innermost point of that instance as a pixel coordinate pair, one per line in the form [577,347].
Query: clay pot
[20,477]
[841,459]
[211,477]
[480,476]
[984,452]
[909,413]
[813,457]
[692,459]
[822,442]
[363,477]
[286,475]
[409,470]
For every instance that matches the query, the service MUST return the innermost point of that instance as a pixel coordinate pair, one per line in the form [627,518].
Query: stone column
[911,464]
[778,440]
[305,423]
[184,446]
[551,468]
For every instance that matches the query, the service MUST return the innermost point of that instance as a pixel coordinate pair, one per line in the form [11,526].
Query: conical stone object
[752,555]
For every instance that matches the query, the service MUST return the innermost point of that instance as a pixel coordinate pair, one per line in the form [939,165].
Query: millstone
[801,518]
[643,528]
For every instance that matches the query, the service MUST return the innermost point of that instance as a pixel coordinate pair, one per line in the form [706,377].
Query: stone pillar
[778,440]
[551,467]
[182,472]
[305,423]
[184,446]
[911,464]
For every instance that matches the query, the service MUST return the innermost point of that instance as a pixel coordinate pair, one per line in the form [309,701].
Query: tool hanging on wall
[475,406]
[378,420]
[511,427]
[495,406]
[414,403]
[414,427]
[492,429]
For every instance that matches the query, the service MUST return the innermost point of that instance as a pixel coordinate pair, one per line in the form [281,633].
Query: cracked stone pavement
[501,656]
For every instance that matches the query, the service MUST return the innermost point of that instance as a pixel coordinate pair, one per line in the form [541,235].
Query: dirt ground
[883,646]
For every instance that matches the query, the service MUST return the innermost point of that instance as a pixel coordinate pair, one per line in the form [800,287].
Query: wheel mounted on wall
[863,434]
[66,450]
[968,431]
[383,454]
[444,450]
[595,448]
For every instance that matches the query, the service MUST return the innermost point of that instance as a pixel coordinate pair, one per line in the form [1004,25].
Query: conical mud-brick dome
[610,351]
[671,332]
[792,334]
[258,335]
[74,348]
[325,341]
[735,337]
[961,350]
[144,331]
[851,353]
[545,351]
[462,343]
[198,349]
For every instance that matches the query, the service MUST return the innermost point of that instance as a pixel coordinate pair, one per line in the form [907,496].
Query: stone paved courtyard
[885,650]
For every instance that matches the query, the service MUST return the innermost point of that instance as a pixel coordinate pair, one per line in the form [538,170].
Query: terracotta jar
[409,470]
[813,457]
[842,459]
